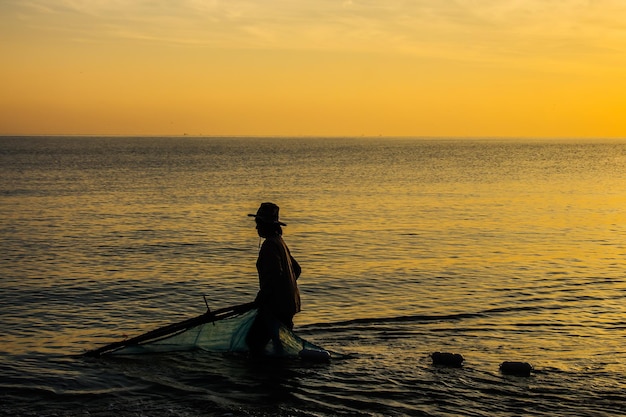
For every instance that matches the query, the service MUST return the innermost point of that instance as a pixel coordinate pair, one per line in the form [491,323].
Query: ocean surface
[498,250]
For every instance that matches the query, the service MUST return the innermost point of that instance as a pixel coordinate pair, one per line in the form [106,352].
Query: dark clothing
[278,299]
[278,272]
[265,327]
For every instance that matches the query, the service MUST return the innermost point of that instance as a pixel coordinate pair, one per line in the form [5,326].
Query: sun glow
[462,68]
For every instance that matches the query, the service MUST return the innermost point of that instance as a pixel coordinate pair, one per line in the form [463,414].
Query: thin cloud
[468,29]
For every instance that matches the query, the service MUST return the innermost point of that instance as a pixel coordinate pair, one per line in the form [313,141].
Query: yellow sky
[542,68]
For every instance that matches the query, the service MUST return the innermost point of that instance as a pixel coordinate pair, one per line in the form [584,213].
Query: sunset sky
[538,68]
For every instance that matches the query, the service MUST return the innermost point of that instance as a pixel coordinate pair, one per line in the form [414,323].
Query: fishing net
[213,334]
[227,335]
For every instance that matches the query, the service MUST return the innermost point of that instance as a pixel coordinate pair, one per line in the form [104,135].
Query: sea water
[498,250]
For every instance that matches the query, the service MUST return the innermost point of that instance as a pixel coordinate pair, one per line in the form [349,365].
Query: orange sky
[277,67]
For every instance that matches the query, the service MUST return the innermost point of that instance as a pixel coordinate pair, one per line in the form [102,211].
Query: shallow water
[497,250]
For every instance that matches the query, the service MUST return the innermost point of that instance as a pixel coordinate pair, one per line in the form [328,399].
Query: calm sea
[499,250]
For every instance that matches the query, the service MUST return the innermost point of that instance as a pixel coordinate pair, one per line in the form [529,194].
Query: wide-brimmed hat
[268,213]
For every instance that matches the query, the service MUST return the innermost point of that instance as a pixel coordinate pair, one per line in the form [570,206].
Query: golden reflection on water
[415,233]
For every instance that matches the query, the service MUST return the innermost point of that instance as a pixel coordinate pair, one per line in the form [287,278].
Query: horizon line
[283,136]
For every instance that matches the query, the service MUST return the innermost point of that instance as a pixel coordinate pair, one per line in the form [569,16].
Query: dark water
[497,250]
